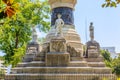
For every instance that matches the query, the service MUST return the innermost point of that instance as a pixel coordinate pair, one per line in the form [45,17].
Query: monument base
[57,59]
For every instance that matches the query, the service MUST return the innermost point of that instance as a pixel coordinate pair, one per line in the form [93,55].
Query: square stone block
[58,44]
[57,59]
[93,53]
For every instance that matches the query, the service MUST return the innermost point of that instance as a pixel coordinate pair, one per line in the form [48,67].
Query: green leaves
[111,3]
[114,64]
[106,55]
[15,32]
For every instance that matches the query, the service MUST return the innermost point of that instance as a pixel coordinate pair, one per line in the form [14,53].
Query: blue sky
[106,22]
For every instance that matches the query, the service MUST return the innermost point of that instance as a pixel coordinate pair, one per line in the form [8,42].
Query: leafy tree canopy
[116,65]
[111,3]
[1,58]
[17,20]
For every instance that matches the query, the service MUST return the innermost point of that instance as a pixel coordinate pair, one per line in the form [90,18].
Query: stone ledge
[60,76]
[70,70]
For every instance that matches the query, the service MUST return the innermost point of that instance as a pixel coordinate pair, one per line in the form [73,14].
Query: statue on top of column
[59,24]
[91,29]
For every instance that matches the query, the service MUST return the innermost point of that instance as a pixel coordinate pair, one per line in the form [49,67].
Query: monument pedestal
[57,55]
[57,59]
[58,44]
[93,52]
[93,49]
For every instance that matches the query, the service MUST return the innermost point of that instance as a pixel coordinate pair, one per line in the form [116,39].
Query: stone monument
[61,57]
[93,47]
[65,10]
[33,47]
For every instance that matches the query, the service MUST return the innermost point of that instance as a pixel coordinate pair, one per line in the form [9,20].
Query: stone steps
[76,59]
[39,59]
[60,77]
[83,70]
[32,64]
[99,59]
[77,64]
[96,64]
[28,57]
[42,64]
[40,55]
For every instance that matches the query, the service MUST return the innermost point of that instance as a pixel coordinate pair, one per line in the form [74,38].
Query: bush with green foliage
[114,64]
[107,58]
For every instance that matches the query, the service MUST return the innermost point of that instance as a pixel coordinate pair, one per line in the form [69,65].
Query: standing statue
[91,29]
[59,24]
[34,35]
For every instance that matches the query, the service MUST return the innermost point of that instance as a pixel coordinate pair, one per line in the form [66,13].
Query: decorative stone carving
[57,55]
[58,25]
[67,15]
[73,52]
[58,44]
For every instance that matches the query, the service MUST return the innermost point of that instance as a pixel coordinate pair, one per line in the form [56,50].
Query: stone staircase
[77,69]
[65,62]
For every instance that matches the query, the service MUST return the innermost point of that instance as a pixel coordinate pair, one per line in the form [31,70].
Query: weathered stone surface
[74,52]
[93,49]
[58,44]
[60,77]
[69,70]
[57,59]
[70,35]
[98,59]
[31,52]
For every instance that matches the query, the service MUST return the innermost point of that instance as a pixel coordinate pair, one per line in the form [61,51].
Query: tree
[1,58]
[15,32]
[116,65]
[8,8]
[111,3]
[107,58]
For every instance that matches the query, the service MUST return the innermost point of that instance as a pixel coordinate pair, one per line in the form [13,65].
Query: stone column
[63,7]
